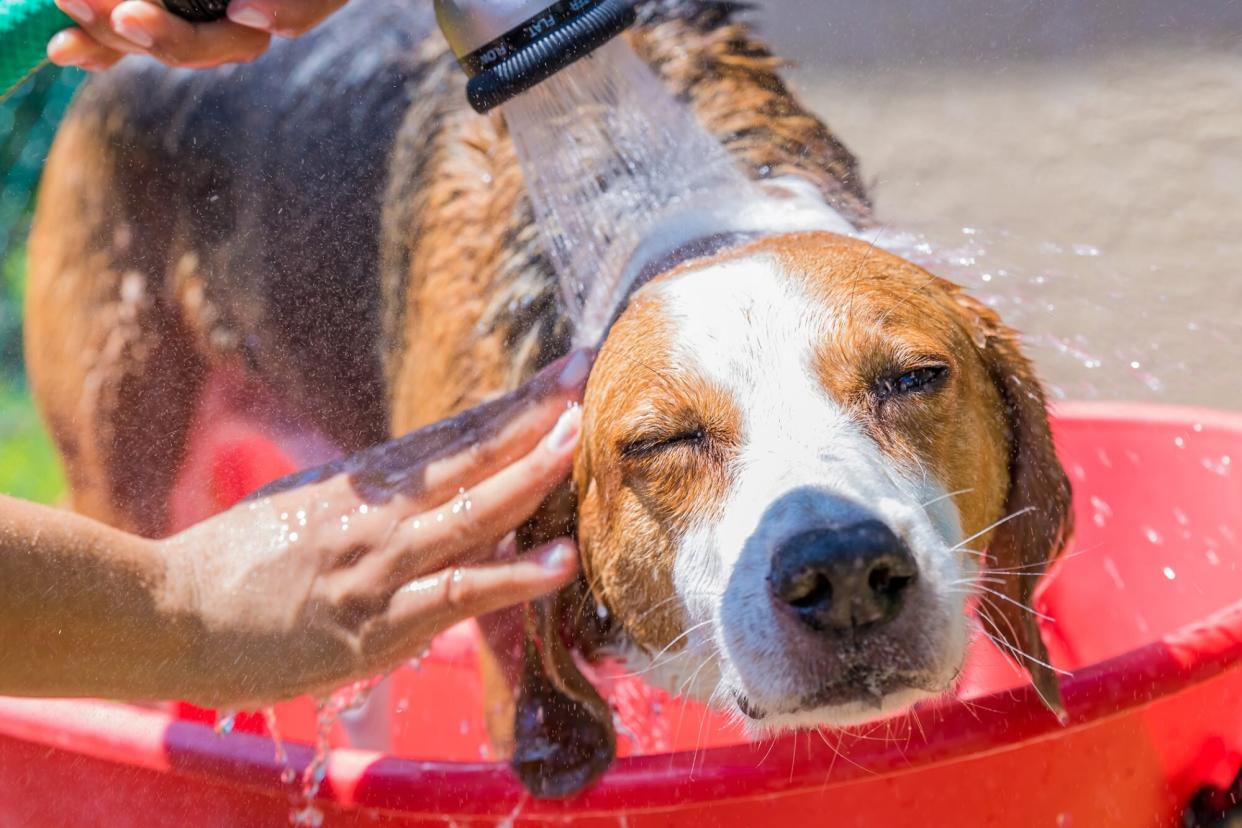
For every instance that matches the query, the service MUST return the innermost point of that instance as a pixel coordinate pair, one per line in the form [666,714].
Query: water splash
[273,730]
[1058,297]
[609,156]
[327,711]
[226,720]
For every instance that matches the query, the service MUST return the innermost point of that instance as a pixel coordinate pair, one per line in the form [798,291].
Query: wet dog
[796,445]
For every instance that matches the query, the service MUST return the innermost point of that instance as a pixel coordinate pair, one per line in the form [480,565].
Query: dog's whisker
[1017,604]
[656,658]
[945,496]
[689,682]
[1021,654]
[989,528]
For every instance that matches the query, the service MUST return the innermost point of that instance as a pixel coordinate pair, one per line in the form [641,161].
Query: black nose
[843,577]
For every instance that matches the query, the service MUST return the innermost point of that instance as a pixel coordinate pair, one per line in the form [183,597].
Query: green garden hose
[25,28]
[27,25]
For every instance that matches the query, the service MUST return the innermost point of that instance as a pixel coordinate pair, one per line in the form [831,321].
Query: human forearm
[339,574]
[87,610]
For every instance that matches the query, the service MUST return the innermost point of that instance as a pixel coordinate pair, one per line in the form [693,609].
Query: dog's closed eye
[923,379]
[652,444]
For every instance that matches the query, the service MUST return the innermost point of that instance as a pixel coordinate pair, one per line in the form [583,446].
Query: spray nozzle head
[508,46]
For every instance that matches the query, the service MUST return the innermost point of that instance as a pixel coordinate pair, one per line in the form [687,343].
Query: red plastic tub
[1148,618]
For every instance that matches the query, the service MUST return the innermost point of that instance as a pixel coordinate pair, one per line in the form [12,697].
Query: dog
[797,446]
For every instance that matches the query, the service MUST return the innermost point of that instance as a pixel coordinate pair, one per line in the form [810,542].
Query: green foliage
[12,291]
[28,120]
[28,464]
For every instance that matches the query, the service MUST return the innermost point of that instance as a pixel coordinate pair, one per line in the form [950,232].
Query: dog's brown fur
[377,280]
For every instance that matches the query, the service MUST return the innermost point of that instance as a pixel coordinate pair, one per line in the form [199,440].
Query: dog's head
[798,458]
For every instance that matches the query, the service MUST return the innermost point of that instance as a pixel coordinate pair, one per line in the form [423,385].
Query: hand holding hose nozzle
[94,34]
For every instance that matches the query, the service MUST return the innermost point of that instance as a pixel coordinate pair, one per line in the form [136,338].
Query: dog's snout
[843,577]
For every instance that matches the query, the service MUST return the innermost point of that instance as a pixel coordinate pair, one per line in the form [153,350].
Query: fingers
[510,431]
[427,606]
[134,26]
[287,18]
[432,464]
[74,47]
[488,511]
[179,43]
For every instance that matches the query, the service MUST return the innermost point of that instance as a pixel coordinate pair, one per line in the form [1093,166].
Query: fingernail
[60,42]
[133,31]
[558,555]
[575,371]
[78,10]
[564,434]
[507,549]
[244,14]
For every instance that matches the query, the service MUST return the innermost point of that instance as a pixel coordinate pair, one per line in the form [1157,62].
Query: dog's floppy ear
[1038,521]
[563,736]
[563,733]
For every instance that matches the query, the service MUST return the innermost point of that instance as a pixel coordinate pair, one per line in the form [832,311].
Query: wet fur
[333,223]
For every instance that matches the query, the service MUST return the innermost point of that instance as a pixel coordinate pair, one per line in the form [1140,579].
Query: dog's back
[191,218]
[330,234]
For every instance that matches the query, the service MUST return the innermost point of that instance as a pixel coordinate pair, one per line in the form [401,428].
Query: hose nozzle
[508,46]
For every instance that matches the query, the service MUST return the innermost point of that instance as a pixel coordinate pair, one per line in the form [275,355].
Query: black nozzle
[538,49]
[198,11]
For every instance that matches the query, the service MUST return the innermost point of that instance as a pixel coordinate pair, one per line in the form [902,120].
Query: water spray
[617,169]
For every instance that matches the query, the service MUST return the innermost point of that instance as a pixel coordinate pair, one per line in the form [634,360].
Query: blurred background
[27,123]
[1076,162]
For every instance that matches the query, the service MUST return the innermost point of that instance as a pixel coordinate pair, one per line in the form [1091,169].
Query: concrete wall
[1094,148]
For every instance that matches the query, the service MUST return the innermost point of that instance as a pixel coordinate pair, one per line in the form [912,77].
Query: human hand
[110,29]
[348,570]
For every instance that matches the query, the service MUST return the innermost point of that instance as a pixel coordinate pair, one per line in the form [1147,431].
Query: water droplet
[293,537]
[1102,511]
[225,721]
[462,502]
[1169,573]
[1212,557]
[284,515]
[1218,466]
[288,775]
[363,509]
[458,575]
[273,730]
[308,817]
[1180,442]
[1181,517]
[1152,535]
